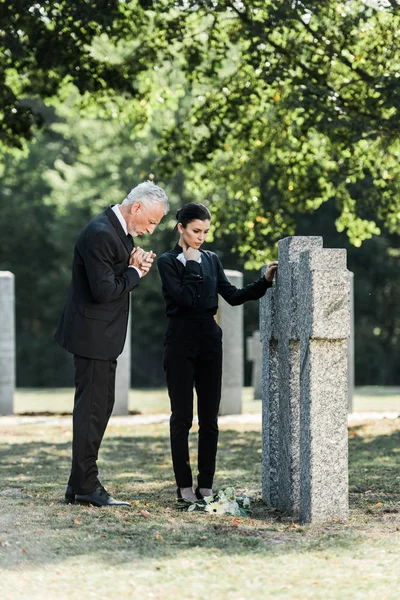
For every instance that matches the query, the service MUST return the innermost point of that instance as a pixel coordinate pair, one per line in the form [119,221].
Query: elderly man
[106,268]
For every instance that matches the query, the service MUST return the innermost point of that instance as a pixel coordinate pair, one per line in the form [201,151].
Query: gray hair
[147,193]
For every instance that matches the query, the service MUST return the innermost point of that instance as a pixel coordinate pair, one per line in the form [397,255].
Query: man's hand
[271,270]
[142,260]
[147,262]
[136,257]
[191,254]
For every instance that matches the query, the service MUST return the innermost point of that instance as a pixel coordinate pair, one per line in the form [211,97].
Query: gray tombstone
[7,343]
[230,319]
[254,355]
[305,325]
[123,376]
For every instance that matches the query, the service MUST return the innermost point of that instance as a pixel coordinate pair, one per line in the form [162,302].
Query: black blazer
[95,317]
[192,290]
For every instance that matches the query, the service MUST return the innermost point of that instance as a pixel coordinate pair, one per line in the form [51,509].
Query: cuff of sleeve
[139,272]
[193,266]
[262,281]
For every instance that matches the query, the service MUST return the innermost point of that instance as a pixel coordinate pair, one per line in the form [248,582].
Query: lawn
[148,401]
[51,550]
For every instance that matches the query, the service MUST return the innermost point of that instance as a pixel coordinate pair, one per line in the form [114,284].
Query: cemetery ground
[154,550]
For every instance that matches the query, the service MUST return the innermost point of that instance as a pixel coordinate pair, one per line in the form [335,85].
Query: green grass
[60,400]
[377,398]
[51,550]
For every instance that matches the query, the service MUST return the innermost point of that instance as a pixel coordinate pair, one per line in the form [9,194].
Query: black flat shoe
[181,499]
[199,495]
[179,495]
[70,495]
[100,497]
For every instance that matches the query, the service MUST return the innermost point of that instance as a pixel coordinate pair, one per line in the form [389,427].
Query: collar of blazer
[126,239]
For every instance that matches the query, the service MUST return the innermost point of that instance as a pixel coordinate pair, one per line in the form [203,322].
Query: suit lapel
[127,240]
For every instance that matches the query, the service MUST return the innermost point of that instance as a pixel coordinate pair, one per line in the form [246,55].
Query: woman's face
[195,232]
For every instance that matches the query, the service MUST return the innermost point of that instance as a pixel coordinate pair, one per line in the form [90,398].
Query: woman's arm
[184,290]
[235,296]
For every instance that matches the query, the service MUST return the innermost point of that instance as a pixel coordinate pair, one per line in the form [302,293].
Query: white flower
[230,493]
[215,508]
[233,509]
[246,502]
[221,496]
[224,502]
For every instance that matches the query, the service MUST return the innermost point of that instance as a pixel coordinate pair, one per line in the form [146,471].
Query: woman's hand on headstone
[271,270]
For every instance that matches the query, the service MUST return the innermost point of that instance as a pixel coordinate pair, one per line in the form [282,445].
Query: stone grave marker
[305,326]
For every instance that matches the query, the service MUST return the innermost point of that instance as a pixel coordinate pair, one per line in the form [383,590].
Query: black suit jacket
[192,290]
[95,317]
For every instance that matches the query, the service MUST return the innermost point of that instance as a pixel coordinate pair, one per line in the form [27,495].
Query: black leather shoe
[70,495]
[100,497]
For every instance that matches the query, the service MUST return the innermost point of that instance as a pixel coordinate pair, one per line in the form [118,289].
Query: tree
[283,105]
[294,103]
[376,291]
[27,249]
[47,47]
[276,113]
[73,170]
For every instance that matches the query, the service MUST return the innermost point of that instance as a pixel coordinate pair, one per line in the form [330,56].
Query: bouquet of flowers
[224,502]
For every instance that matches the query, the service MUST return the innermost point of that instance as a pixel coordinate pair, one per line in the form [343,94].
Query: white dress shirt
[121,219]
[182,258]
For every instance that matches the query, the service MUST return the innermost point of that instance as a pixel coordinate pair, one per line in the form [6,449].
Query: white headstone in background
[7,343]
[254,355]
[123,376]
[230,319]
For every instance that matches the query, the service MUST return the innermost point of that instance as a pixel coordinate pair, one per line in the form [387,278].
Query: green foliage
[376,291]
[28,250]
[71,172]
[273,113]
[269,108]
[292,104]
[47,46]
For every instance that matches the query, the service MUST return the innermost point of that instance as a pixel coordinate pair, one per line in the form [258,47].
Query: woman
[191,281]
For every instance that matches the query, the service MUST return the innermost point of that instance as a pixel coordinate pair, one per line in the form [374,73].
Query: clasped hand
[190,253]
[142,260]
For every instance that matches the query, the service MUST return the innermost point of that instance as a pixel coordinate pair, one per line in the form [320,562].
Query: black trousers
[193,358]
[94,401]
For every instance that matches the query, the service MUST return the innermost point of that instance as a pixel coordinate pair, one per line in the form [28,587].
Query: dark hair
[191,211]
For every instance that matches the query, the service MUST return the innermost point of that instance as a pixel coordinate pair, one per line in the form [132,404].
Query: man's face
[144,219]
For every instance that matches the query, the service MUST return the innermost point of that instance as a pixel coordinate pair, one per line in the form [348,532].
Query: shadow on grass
[374,467]
[40,529]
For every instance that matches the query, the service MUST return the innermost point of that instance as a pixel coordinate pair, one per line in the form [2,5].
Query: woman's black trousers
[193,359]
